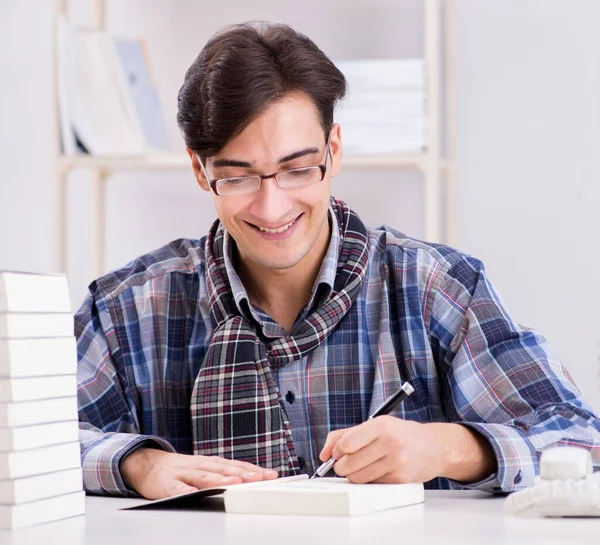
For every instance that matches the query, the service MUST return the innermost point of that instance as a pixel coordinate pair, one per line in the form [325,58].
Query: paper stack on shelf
[107,100]
[40,464]
[385,109]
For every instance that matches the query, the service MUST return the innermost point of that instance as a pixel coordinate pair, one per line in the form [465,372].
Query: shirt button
[289,397]
[301,462]
[518,478]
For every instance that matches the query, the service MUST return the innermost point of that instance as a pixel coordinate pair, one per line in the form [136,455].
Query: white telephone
[566,487]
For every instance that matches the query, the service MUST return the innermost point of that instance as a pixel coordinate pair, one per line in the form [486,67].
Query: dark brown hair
[241,71]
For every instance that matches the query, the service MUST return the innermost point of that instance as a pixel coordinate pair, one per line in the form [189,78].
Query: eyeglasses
[286,179]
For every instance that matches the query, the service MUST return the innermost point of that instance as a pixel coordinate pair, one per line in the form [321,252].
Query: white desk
[446,518]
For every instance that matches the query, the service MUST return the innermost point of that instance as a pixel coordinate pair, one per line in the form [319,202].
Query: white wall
[25,135]
[528,139]
[529,144]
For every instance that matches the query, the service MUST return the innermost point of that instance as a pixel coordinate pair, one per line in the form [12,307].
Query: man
[261,349]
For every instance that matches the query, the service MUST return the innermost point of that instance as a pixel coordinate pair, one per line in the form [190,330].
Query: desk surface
[447,518]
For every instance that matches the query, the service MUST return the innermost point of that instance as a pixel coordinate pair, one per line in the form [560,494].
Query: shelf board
[170,161]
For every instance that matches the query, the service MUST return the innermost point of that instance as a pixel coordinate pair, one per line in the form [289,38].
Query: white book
[38,357]
[38,512]
[30,292]
[31,413]
[39,487]
[42,435]
[35,326]
[322,496]
[65,72]
[37,388]
[140,92]
[383,73]
[107,126]
[14,465]
[303,496]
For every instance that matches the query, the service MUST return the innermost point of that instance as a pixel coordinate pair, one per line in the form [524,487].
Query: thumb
[332,438]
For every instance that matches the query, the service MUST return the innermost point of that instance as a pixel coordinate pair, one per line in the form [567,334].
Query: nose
[271,203]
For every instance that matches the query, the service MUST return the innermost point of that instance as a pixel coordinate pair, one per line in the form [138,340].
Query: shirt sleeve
[503,380]
[108,421]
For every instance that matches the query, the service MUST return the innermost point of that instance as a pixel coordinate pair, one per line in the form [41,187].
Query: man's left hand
[387,449]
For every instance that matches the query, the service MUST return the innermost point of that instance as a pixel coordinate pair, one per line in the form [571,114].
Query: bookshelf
[439,172]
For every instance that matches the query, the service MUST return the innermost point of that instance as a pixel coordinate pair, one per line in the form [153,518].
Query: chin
[278,262]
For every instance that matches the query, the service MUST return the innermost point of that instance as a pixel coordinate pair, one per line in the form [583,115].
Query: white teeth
[280,230]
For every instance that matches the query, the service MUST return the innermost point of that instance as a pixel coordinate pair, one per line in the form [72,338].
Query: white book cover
[141,94]
[321,496]
[37,388]
[39,487]
[39,512]
[383,73]
[300,495]
[42,435]
[30,292]
[14,325]
[14,465]
[31,413]
[107,127]
[65,72]
[38,357]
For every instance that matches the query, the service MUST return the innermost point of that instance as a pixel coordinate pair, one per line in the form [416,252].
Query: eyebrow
[245,164]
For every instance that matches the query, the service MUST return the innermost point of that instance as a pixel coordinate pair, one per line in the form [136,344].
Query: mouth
[277,232]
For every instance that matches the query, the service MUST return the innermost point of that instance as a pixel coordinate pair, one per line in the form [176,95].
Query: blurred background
[518,128]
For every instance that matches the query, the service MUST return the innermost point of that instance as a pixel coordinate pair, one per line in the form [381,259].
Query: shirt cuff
[517,459]
[101,461]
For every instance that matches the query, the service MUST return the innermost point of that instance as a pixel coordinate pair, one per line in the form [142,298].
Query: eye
[232,182]
[301,172]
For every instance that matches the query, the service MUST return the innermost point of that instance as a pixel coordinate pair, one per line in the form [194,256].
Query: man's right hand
[156,474]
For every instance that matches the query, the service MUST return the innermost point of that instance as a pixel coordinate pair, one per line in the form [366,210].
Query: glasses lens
[298,177]
[238,186]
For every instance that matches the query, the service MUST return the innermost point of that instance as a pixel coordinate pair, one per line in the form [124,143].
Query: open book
[303,496]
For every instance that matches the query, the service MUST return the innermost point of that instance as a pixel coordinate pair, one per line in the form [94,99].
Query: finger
[332,438]
[206,479]
[356,438]
[248,472]
[201,462]
[351,463]
[372,473]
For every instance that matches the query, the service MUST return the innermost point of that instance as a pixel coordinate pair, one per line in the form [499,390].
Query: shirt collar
[323,285]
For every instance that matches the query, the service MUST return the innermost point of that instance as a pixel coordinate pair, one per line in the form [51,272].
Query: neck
[283,293]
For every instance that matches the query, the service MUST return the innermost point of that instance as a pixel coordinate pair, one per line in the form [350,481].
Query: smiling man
[262,348]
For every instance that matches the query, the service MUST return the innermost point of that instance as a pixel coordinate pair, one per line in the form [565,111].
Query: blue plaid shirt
[143,331]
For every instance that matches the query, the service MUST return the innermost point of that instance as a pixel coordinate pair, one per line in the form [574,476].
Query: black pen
[385,408]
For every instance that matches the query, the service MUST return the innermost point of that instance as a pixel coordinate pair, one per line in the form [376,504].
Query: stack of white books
[40,464]
[384,112]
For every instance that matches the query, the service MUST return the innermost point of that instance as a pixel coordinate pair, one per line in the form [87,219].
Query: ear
[198,173]
[335,149]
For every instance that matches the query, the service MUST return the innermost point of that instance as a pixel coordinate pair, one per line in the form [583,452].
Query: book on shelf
[31,292]
[108,103]
[30,413]
[384,112]
[38,436]
[300,495]
[140,92]
[26,463]
[40,487]
[42,511]
[22,358]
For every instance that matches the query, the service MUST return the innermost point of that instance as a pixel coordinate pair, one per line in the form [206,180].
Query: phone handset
[566,487]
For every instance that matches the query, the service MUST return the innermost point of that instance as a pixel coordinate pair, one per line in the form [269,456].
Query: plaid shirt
[143,331]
